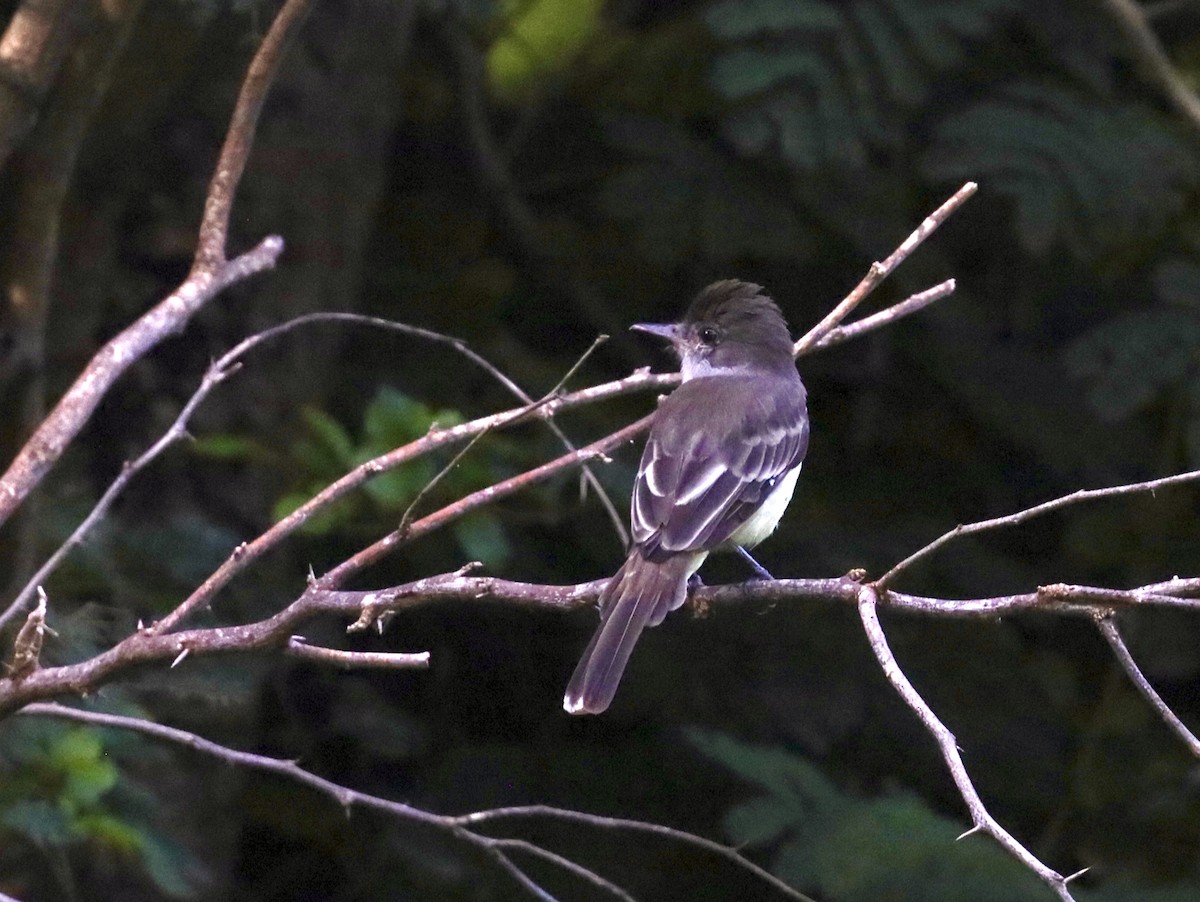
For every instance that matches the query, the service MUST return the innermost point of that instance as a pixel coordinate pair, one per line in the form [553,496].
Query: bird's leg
[760,572]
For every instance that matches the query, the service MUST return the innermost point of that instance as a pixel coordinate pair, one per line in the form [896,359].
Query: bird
[718,470]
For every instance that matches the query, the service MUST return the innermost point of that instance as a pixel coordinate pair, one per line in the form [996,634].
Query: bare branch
[246,553]
[1037,510]
[210,274]
[458,827]
[949,747]
[886,317]
[1150,57]
[880,271]
[399,537]
[536,851]
[214,225]
[619,823]
[1108,629]
[297,647]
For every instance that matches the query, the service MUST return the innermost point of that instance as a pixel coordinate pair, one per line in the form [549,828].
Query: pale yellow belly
[764,520]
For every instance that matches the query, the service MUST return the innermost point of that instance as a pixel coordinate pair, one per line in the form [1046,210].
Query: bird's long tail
[640,594]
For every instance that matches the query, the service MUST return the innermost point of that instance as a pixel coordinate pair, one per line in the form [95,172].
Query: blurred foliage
[819,85]
[892,846]
[642,149]
[1092,179]
[327,451]
[538,40]
[65,795]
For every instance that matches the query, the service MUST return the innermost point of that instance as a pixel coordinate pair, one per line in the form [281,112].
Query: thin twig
[1108,629]
[980,816]
[566,864]
[886,317]
[1037,510]
[395,539]
[529,408]
[456,826]
[297,647]
[620,823]
[880,271]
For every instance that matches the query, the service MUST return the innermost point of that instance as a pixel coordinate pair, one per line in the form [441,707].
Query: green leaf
[167,865]
[396,488]
[759,821]
[78,754]
[780,773]
[330,445]
[113,832]
[329,518]
[393,419]
[542,39]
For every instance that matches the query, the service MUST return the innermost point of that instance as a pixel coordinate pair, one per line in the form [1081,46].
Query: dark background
[634,151]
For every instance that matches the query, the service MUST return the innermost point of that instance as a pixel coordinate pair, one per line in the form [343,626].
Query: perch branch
[364,607]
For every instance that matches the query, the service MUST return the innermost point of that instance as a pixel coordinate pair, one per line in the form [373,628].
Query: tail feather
[639,595]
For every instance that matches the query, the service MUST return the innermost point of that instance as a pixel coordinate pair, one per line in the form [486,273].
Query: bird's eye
[708,335]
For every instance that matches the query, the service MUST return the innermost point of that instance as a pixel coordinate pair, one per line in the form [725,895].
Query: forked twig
[880,271]
[1037,510]
[980,816]
[459,826]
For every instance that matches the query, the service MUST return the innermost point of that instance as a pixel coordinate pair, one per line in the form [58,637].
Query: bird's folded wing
[722,451]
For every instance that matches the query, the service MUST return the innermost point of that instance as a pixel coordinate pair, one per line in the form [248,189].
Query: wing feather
[716,450]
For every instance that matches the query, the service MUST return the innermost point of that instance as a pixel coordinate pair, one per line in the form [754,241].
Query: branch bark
[460,827]
[211,273]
